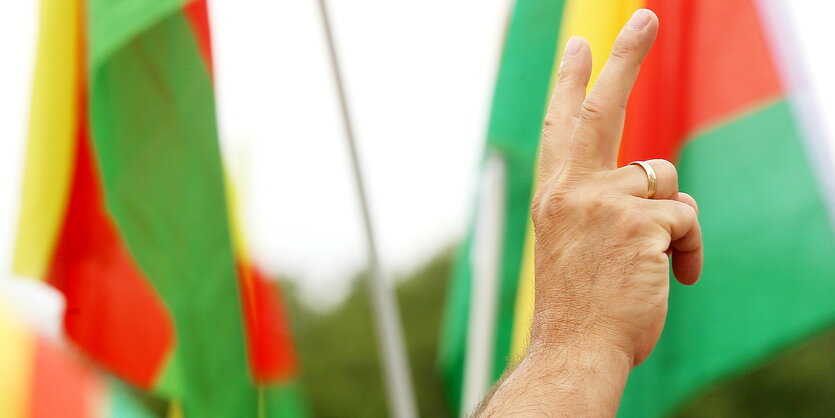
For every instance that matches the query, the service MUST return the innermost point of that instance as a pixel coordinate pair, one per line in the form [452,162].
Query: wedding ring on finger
[652,180]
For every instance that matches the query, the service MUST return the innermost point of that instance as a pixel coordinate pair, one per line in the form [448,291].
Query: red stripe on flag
[197,13]
[271,354]
[112,311]
[63,387]
[710,63]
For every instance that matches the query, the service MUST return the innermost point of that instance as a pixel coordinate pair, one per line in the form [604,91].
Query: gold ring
[652,181]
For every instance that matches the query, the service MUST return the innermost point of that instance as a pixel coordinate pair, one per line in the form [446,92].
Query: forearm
[561,382]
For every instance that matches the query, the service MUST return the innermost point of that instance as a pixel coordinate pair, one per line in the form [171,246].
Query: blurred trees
[341,372]
[340,365]
[799,382]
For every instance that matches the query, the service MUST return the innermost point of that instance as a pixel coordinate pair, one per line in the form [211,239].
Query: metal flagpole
[389,333]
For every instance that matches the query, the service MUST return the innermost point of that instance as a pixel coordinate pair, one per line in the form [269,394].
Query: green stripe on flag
[113,23]
[153,126]
[519,103]
[453,347]
[284,400]
[769,275]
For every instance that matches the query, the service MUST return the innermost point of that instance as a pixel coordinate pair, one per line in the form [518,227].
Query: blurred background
[419,78]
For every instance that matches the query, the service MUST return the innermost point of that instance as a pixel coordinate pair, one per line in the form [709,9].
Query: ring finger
[633,180]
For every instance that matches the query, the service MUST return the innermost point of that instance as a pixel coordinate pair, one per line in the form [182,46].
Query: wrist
[592,378]
[563,380]
[581,358]
[568,330]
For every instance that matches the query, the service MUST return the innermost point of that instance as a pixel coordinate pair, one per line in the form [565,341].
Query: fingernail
[572,47]
[639,20]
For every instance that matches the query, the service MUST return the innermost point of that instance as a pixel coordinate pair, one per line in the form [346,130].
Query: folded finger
[681,222]
[633,180]
[688,200]
[688,256]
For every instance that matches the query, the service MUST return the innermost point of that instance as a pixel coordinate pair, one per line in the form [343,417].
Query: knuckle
[668,168]
[593,203]
[689,212]
[565,197]
[596,203]
[558,200]
[683,208]
[536,205]
[544,207]
[623,49]
[592,110]
[654,253]
[550,120]
[552,202]
[633,220]
[549,123]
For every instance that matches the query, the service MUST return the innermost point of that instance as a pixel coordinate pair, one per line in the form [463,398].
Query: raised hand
[602,272]
[604,238]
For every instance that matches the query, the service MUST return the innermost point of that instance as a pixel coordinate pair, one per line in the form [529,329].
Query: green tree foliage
[798,383]
[341,373]
[340,364]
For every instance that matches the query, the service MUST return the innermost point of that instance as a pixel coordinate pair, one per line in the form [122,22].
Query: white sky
[419,77]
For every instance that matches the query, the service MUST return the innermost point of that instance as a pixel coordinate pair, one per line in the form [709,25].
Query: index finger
[596,139]
[564,109]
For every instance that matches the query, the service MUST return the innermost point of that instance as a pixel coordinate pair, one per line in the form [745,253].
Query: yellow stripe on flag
[52,130]
[599,21]
[239,247]
[16,362]
[524,300]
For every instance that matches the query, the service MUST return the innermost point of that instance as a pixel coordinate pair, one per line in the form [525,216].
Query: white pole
[389,333]
[485,259]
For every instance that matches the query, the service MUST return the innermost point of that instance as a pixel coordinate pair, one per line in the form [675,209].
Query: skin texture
[602,248]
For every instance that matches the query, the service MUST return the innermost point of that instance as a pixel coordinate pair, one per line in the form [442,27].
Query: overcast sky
[419,77]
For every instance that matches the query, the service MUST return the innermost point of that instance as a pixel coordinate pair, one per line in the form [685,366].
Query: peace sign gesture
[604,234]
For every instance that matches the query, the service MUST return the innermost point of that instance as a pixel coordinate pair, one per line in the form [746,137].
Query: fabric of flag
[715,97]
[126,212]
[40,380]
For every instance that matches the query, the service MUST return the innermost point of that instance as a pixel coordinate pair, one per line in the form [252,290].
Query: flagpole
[389,332]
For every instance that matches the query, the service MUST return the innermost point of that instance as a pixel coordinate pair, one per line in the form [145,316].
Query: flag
[40,380]
[125,211]
[716,96]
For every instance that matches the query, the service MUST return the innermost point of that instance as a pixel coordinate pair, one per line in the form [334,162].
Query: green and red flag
[125,211]
[714,98]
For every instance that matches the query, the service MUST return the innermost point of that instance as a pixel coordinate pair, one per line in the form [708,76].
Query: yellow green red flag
[712,98]
[125,211]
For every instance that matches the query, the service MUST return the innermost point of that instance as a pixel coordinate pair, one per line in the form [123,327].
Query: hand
[602,247]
